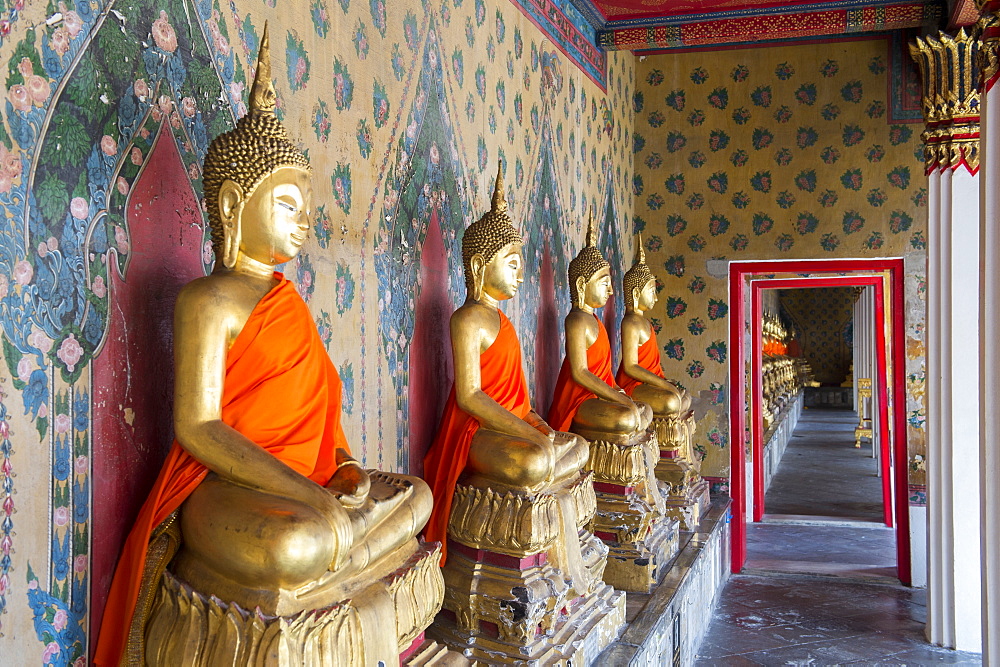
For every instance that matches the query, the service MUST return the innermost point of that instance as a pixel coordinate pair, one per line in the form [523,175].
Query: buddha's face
[598,290]
[503,275]
[647,297]
[274,219]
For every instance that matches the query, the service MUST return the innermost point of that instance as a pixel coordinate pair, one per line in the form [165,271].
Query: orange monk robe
[283,393]
[569,395]
[502,379]
[649,358]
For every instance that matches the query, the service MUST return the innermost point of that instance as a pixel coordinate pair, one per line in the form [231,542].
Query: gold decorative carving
[189,628]
[625,465]
[949,72]
[509,523]
[508,604]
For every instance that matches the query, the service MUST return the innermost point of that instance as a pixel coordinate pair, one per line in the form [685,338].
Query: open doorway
[822,509]
[882,280]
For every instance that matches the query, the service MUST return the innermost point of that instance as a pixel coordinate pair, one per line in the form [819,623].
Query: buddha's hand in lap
[350,484]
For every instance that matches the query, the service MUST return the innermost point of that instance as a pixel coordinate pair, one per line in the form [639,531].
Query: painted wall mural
[405,111]
[776,153]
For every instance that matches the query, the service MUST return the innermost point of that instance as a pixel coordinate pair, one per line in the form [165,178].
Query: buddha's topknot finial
[499,202]
[637,276]
[256,147]
[262,96]
[488,235]
[591,230]
[588,262]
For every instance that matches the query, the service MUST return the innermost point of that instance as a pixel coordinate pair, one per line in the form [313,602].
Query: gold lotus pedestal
[377,616]
[631,512]
[523,578]
[687,494]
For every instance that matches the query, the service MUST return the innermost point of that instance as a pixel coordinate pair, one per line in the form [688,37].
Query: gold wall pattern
[772,153]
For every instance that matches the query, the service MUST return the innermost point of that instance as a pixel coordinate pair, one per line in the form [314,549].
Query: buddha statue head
[491,250]
[639,283]
[590,273]
[257,182]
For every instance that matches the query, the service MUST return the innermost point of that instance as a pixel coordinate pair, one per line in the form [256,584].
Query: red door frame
[882,398]
[893,436]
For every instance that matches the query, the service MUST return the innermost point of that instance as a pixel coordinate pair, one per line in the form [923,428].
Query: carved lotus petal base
[378,623]
[631,515]
[512,597]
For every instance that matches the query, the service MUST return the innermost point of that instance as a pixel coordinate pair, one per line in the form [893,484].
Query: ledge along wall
[404,109]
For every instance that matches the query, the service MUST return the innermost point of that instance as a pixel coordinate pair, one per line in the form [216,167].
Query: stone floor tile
[820,653]
[932,655]
[727,661]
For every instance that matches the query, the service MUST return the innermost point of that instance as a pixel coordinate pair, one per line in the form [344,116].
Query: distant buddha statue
[631,512]
[260,517]
[586,390]
[510,497]
[641,376]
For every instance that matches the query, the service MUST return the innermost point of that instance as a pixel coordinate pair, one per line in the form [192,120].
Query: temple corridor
[819,585]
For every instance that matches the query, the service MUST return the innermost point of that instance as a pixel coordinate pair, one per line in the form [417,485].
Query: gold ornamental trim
[510,523]
[950,73]
[417,591]
[612,463]
[188,628]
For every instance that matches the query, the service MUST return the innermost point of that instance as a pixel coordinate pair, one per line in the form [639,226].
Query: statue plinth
[378,622]
[523,577]
[687,493]
[631,515]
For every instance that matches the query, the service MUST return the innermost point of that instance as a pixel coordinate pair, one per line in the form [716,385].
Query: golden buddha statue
[263,540]
[623,452]
[510,499]
[641,376]
[586,391]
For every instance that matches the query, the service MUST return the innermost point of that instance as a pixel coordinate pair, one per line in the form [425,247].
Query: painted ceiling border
[894,16]
[570,31]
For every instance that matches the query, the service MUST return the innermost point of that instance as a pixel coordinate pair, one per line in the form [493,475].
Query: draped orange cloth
[502,379]
[569,395]
[649,358]
[283,393]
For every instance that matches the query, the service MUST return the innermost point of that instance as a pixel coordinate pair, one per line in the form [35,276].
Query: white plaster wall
[918,546]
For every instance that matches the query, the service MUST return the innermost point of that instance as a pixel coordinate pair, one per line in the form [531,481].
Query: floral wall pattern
[405,110]
[769,153]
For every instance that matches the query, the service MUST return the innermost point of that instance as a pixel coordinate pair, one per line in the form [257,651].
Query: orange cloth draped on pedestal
[283,393]
[569,395]
[502,378]
[649,358]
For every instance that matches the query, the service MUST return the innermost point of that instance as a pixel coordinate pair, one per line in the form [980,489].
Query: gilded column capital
[989,49]
[950,76]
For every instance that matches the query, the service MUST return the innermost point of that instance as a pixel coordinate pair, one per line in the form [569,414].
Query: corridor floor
[819,586]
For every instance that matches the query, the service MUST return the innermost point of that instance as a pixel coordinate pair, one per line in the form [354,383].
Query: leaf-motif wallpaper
[771,153]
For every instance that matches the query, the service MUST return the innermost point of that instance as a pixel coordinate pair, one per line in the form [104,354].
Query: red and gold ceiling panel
[623,10]
[670,25]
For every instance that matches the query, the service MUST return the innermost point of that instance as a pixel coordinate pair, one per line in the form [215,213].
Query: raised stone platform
[777,437]
[666,626]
